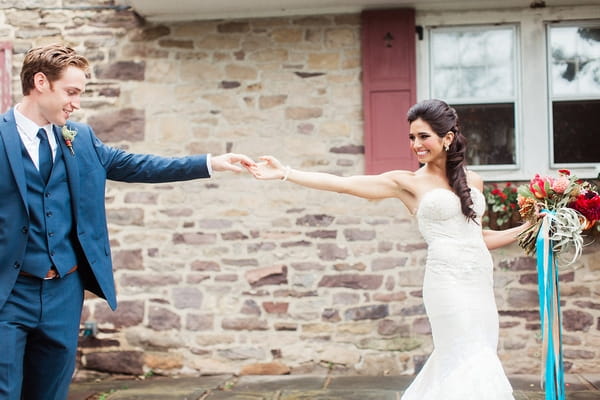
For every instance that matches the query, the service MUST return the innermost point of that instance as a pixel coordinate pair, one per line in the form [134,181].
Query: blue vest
[50,241]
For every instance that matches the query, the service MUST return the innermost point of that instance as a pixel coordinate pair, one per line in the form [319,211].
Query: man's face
[60,98]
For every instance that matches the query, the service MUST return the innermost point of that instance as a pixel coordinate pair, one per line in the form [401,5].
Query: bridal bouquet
[559,209]
[572,206]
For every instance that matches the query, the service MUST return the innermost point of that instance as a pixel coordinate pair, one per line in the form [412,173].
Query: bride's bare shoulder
[400,174]
[474,180]
[404,179]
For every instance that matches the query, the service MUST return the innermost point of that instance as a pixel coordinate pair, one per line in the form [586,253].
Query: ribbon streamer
[553,373]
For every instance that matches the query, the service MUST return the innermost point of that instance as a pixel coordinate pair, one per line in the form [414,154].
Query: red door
[5,81]
[389,88]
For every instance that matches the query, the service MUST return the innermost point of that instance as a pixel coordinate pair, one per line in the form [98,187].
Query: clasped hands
[268,167]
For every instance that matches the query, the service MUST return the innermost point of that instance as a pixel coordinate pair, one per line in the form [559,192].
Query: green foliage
[502,201]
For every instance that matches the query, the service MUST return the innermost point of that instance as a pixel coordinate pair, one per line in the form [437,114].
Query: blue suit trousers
[29,325]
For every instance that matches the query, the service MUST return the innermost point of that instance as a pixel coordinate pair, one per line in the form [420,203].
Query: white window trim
[533,144]
[516,99]
[547,27]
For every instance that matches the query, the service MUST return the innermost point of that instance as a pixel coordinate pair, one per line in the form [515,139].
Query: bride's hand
[268,168]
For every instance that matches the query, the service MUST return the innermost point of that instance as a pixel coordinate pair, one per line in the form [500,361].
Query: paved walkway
[292,387]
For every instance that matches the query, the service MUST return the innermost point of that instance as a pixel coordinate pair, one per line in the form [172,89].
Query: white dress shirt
[28,132]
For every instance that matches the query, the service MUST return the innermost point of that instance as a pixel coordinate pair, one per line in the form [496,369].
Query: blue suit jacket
[87,170]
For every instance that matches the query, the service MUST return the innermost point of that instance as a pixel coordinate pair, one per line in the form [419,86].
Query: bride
[458,293]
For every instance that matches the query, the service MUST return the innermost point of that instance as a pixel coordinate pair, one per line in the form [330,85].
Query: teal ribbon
[551,324]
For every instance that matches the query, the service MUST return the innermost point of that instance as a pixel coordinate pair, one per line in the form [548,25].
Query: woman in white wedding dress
[458,291]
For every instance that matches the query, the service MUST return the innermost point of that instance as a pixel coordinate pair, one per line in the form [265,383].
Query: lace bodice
[455,244]
[440,216]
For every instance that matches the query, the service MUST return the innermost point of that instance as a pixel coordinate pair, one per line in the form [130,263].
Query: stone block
[244,324]
[275,307]
[187,297]
[125,216]
[123,124]
[270,368]
[353,281]
[163,361]
[175,43]
[122,70]
[348,149]
[233,27]
[386,263]
[116,362]
[389,327]
[323,61]
[397,343]
[128,259]
[287,35]
[275,275]
[128,313]
[376,311]
[340,354]
[197,238]
[522,298]
[576,320]
[303,113]
[199,322]
[331,252]
[161,319]
[268,102]
[150,33]
[199,265]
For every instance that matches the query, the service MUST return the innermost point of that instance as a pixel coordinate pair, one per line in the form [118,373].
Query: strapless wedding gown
[459,298]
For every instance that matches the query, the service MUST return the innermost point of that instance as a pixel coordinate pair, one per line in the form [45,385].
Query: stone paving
[293,387]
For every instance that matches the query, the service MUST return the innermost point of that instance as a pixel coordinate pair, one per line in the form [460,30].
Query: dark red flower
[564,172]
[588,204]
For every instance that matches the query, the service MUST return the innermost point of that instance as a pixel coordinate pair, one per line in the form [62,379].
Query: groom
[53,234]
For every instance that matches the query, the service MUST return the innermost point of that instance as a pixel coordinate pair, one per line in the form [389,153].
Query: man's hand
[226,162]
[269,168]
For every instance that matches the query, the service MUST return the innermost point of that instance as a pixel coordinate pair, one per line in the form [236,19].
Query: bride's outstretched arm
[496,239]
[381,186]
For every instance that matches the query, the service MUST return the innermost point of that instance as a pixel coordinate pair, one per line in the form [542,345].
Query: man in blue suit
[53,234]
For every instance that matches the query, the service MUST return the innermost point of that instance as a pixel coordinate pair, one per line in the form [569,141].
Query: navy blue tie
[45,155]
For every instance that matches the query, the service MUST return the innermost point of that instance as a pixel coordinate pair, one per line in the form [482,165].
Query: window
[574,79]
[474,70]
[525,82]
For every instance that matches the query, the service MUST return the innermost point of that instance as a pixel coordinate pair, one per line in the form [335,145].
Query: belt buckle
[52,274]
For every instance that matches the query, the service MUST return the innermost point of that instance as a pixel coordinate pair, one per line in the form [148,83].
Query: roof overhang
[188,10]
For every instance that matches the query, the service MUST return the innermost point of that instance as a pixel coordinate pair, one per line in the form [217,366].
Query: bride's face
[425,143]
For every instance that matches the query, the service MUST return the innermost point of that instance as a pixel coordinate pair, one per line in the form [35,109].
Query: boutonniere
[69,135]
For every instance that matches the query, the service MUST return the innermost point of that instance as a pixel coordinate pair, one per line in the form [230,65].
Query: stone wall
[228,274]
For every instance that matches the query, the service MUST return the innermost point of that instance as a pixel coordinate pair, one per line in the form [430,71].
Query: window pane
[576,131]
[473,64]
[575,63]
[489,129]
[575,81]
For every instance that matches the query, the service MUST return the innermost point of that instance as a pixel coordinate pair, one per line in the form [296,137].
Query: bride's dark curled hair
[443,119]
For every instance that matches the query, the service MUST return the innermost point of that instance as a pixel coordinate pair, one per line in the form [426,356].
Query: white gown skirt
[464,364]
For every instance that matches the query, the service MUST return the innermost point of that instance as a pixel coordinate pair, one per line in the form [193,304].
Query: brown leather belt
[52,273]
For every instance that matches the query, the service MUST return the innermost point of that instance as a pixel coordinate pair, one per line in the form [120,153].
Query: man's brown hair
[51,60]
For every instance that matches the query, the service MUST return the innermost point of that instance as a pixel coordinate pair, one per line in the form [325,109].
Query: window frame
[533,141]
[516,99]
[551,98]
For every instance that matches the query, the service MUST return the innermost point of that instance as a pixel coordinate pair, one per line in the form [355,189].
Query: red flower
[564,172]
[588,204]
[537,186]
